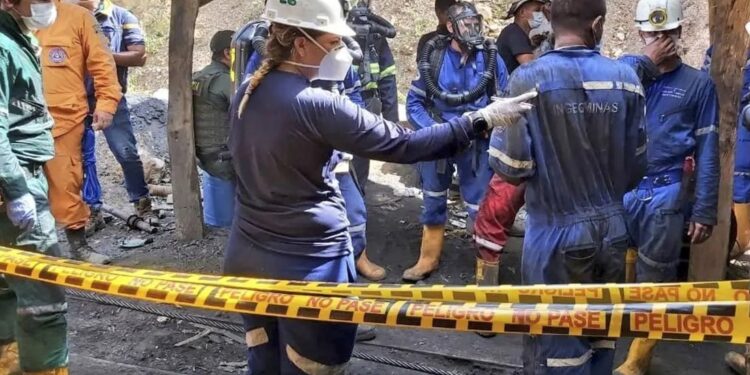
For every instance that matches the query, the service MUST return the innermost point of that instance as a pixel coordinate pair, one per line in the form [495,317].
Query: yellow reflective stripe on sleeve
[507,160]
[130,26]
[371,86]
[374,68]
[389,71]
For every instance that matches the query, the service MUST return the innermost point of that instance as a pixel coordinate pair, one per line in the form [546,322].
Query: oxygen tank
[247,40]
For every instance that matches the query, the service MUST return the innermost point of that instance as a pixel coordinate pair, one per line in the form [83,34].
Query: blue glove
[22,212]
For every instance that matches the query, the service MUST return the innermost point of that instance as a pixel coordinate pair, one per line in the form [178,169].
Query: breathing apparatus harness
[433,53]
[371,29]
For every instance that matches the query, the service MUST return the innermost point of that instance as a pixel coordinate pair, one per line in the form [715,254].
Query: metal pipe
[133,221]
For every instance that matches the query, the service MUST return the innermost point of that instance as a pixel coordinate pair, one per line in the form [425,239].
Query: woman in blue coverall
[290,222]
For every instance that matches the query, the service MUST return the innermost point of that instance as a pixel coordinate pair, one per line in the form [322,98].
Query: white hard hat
[321,15]
[658,15]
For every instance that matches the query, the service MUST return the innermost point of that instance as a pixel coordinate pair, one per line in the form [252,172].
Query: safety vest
[210,121]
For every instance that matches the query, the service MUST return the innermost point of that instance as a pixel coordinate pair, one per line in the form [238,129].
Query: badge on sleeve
[57,55]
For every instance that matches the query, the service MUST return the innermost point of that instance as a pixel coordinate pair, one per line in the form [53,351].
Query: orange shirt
[71,47]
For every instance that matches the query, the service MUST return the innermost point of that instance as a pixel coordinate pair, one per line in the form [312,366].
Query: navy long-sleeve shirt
[288,200]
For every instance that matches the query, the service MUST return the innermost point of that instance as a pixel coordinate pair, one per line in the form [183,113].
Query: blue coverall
[742,150]
[423,111]
[682,121]
[351,190]
[579,150]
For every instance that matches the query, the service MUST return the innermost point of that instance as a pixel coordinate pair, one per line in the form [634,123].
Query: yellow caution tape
[554,294]
[701,321]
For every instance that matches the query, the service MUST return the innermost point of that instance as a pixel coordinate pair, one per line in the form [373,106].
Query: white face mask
[537,20]
[335,64]
[42,16]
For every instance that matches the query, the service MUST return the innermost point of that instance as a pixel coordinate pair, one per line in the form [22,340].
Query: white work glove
[746,115]
[504,112]
[22,212]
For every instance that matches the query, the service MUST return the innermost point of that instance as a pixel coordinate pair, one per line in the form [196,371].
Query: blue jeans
[121,141]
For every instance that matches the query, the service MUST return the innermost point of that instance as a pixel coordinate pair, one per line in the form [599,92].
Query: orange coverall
[71,47]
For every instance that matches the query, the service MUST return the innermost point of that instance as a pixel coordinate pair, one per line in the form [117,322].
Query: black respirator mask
[468,27]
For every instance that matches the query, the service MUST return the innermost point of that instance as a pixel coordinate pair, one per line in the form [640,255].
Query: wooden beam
[187,204]
[727,20]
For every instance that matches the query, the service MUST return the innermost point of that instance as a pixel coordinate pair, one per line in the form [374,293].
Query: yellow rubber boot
[487,274]
[429,253]
[639,358]
[631,258]
[742,213]
[368,269]
[56,371]
[9,360]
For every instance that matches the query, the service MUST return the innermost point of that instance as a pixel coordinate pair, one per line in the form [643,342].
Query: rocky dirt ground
[106,339]
[136,343]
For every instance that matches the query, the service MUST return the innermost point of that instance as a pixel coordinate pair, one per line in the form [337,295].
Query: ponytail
[266,67]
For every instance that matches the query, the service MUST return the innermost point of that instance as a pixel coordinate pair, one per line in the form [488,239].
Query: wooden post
[727,20]
[187,203]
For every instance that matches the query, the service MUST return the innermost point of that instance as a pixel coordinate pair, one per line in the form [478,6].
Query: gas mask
[335,64]
[467,26]
[43,15]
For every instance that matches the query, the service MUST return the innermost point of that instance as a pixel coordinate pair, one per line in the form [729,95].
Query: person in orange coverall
[73,46]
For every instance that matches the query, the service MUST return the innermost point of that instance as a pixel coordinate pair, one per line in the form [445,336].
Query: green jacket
[212,95]
[25,123]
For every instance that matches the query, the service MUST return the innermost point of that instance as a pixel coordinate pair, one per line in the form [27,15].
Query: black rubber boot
[80,249]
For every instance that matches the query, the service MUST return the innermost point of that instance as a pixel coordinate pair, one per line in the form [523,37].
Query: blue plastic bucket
[218,201]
